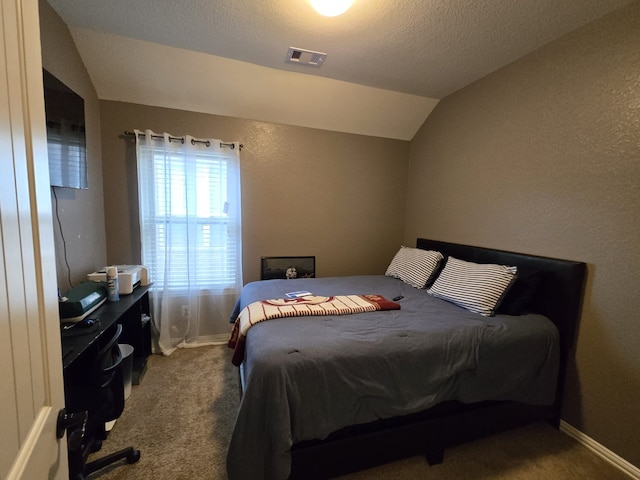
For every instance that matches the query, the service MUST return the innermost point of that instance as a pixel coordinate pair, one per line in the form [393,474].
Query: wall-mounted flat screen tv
[64,110]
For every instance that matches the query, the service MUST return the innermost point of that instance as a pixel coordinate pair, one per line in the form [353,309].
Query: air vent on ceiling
[305,57]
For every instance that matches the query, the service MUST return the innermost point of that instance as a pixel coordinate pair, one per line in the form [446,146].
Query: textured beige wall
[304,191]
[81,212]
[543,157]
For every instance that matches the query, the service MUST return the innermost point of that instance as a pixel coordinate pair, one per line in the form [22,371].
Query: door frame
[32,393]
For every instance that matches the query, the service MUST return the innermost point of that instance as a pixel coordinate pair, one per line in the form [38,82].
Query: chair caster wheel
[133,457]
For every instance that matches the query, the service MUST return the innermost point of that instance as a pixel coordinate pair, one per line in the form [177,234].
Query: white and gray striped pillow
[478,287]
[414,265]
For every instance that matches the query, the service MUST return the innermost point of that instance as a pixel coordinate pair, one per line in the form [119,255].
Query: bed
[325,395]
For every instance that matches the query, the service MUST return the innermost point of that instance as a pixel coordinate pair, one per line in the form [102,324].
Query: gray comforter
[306,377]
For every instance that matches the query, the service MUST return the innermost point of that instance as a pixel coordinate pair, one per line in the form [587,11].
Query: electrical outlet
[185,311]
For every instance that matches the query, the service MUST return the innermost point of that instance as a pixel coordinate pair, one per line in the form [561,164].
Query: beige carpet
[182,414]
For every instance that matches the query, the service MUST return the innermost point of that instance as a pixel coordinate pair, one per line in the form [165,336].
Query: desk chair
[101,396]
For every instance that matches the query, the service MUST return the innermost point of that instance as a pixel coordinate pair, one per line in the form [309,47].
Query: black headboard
[560,298]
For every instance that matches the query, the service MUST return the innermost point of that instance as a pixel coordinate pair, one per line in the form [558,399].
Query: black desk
[77,342]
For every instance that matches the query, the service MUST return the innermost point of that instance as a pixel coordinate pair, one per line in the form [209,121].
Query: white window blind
[190,222]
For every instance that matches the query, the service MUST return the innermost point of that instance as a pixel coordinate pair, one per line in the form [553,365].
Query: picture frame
[287,267]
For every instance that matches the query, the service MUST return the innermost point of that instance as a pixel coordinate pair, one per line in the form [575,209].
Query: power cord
[64,243]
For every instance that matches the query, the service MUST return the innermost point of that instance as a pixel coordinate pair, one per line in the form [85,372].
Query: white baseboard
[600,450]
[219,339]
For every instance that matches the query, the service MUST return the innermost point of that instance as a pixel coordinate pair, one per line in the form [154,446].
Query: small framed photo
[287,267]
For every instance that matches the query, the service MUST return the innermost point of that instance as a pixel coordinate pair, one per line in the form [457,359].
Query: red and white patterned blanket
[310,305]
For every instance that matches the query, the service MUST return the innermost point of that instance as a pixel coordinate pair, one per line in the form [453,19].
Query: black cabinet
[133,313]
[136,328]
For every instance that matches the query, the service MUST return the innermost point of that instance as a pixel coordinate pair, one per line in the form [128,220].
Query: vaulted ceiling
[388,62]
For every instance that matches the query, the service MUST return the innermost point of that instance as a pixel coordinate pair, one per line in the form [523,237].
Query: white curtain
[190,224]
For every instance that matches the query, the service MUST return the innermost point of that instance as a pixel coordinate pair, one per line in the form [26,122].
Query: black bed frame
[430,432]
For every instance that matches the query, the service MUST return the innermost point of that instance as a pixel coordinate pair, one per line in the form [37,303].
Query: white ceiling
[388,62]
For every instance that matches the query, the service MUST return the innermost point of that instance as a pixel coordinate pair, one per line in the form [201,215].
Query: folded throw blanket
[257,312]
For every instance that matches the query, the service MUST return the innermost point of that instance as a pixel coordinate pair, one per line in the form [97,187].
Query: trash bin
[127,366]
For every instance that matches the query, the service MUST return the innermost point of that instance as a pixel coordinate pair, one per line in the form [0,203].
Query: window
[190,214]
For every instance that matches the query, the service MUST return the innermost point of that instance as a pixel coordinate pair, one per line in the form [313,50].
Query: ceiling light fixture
[331,8]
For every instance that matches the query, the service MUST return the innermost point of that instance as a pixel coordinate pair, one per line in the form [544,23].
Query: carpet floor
[181,417]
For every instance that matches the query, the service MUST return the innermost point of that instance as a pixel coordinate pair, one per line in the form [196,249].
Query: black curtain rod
[181,140]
